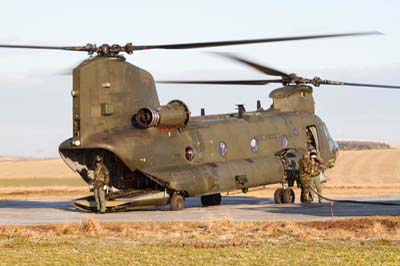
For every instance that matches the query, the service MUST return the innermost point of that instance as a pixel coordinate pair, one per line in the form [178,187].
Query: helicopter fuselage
[210,155]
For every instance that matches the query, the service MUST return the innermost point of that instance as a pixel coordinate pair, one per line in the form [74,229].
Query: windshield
[333,146]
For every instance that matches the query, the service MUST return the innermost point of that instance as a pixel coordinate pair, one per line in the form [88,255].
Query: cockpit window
[333,146]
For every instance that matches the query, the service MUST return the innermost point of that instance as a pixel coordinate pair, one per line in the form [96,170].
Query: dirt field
[11,168]
[353,168]
[357,173]
[366,168]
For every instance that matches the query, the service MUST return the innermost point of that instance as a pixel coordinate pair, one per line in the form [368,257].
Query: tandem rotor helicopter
[159,154]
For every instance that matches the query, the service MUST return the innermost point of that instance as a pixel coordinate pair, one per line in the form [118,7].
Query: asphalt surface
[27,212]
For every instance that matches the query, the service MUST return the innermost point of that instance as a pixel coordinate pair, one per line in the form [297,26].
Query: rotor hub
[108,50]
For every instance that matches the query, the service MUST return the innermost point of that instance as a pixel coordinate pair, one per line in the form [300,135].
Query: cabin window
[254,145]
[284,141]
[189,153]
[222,149]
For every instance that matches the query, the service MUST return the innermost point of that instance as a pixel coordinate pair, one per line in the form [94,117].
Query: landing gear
[278,195]
[177,202]
[286,195]
[211,200]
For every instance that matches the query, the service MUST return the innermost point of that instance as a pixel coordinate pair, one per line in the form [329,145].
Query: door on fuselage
[312,138]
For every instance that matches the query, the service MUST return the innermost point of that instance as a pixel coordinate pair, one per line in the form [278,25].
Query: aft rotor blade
[250,41]
[262,68]
[222,82]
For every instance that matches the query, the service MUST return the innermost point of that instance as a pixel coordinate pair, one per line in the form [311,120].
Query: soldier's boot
[307,194]
[102,200]
[311,197]
[302,195]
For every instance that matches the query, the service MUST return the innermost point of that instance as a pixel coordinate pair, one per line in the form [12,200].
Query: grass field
[96,251]
[374,241]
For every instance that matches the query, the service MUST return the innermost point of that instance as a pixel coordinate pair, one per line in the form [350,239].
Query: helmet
[99,159]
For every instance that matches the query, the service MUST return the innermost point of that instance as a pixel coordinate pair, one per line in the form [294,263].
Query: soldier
[100,183]
[305,174]
[317,163]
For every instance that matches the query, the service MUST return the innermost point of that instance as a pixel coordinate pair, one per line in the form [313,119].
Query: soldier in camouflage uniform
[305,169]
[100,183]
[317,163]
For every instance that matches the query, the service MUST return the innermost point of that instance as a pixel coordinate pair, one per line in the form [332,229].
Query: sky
[36,106]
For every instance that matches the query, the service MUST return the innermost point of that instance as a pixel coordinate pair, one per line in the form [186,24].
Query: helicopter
[159,154]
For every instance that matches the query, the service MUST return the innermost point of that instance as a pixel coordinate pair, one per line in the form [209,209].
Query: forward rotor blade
[112,50]
[67,48]
[222,82]
[262,68]
[250,41]
[360,84]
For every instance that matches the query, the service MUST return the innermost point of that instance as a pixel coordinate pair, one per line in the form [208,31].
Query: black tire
[278,196]
[177,202]
[288,196]
[211,200]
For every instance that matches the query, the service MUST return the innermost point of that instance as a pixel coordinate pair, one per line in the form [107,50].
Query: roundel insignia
[284,142]
[222,149]
[189,153]
[296,132]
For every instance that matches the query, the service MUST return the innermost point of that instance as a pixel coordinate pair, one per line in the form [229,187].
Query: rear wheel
[211,200]
[177,202]
[278,195]
[288,196]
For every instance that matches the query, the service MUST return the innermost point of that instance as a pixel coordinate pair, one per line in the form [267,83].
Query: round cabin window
[254,145]
[222,149]
[284,142]
[189,153]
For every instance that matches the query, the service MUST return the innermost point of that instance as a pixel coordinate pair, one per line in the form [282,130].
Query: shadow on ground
[37,204]
[328,209]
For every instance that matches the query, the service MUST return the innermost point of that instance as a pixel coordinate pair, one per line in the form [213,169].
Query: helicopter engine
[173,115]
[293,98]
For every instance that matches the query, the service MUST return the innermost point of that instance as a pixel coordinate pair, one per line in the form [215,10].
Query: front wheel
[288,196]
[177,202]
[278,195]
